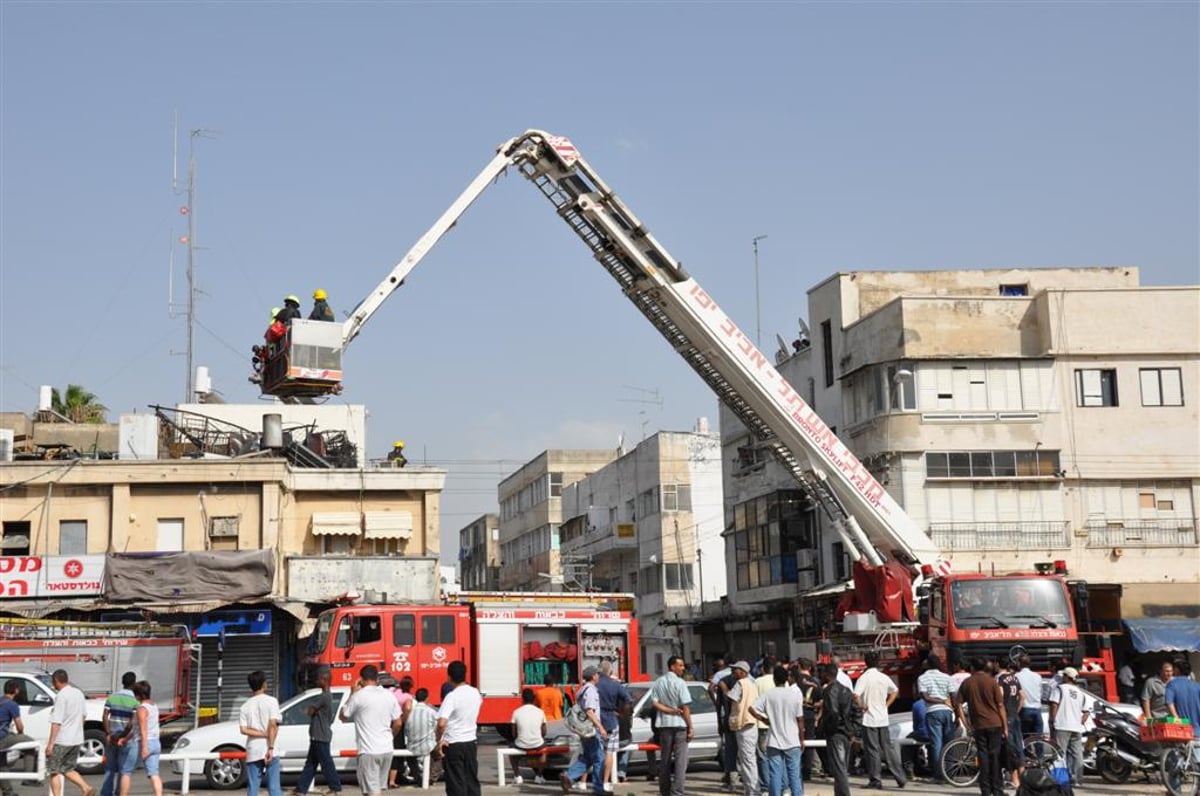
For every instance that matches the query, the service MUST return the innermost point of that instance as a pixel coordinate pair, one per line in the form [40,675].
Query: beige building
[650,523]
[1019,416]
[322,532]
[531,513]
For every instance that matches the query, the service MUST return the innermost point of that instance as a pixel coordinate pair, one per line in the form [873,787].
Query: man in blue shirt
[672,701]
[614,699]
[12,731]
[1183,695]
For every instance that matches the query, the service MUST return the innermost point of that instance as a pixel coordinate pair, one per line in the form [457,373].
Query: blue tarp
[1159,635]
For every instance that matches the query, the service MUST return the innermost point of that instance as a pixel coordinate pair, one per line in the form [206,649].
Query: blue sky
[856,136]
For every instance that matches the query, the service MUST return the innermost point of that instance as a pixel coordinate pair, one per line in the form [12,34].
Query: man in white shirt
[259,721]
[764,683]
[782,710]
[66,735]
[377,718]
[842,677]
[875,692]
[529,734]
[457,719]
[1031,697]
[1069,709]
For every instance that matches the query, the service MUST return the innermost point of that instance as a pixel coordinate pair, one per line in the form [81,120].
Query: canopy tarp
[1158,635]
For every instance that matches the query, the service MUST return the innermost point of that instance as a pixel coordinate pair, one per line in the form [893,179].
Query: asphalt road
[703,778]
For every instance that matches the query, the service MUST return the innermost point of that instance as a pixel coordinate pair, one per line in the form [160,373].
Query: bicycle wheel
[1179,773]
[1041,751]
[960,762]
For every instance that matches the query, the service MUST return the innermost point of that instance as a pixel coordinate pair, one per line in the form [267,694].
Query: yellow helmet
[320,295]
[398,443]
[292,300]
[274,312]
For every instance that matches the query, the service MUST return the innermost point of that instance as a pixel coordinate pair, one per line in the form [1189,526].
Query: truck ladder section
[46,630]
[721,354]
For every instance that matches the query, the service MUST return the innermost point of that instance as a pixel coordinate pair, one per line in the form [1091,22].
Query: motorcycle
[1116,749]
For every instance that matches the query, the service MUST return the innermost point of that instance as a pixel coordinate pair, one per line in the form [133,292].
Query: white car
[36,697]
[704,722]
[291,742]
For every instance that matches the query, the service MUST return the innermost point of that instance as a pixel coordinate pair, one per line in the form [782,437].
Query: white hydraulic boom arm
[870,522]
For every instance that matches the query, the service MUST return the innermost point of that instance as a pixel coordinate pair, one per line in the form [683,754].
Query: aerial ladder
[874,528]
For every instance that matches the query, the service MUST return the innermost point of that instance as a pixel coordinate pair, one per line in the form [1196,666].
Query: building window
[841,561]
[676,497]
[678,576]
[15,541]
[1014,290]
[768,533]
[1096,387]
[647,503]
[827,350]
[556,484]
[992,464]
[72,537]
[1161,386]
[650,580]
[170,535]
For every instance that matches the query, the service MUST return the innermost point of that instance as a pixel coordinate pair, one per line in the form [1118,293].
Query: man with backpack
[839,724]
[614,700]
[584,720]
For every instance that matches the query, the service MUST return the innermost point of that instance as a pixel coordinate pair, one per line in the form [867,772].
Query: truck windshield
[1010,602]
[320,636]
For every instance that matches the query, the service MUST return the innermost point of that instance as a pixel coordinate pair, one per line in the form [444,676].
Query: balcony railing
[1141,533]
[950,536]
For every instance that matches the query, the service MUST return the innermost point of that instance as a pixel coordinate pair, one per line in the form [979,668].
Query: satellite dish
[783,352]
[803,328]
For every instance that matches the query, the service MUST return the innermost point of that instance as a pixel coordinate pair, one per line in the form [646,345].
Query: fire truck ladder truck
[872,525]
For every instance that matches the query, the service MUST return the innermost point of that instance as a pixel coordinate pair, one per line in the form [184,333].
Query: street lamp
[757,295]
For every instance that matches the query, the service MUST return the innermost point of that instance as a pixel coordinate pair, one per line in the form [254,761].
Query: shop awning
[389,525]
[1158,635]
[336,523]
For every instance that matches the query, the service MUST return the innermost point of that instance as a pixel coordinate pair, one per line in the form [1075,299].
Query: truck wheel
[225,774]
[93,746]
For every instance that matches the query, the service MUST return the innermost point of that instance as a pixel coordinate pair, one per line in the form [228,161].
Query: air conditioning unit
[806,579]
[806,559]
[223,527]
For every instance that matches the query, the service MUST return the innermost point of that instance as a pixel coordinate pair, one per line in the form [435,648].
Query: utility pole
[757,295]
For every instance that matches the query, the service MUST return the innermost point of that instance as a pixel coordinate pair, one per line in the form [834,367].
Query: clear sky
[856,136]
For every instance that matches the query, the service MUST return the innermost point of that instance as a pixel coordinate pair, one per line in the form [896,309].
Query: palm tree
[78,406]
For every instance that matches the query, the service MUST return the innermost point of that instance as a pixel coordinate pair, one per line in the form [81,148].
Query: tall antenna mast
[191,264]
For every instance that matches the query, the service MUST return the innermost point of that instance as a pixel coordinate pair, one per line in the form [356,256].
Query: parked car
[291,741]
[36,697]
[704,723]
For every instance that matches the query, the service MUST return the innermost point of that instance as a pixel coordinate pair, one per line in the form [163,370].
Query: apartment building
[531,513]
[479,554]
[1019,416]
[650,523]
[269,531]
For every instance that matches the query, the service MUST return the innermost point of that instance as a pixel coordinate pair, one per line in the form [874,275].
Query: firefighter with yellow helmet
[396,457]
[321,310]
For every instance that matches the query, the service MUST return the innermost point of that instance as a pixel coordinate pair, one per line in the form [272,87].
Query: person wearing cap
[396,457]
[1069,709]
[290,311]
[591,755]
[321,310]
[744,726]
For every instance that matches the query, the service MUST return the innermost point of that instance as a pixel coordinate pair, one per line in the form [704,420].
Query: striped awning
[389,525]
[336,523]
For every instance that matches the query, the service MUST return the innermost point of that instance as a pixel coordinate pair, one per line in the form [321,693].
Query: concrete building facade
[531,513]
[1019,416]
[650,523]
[479,554]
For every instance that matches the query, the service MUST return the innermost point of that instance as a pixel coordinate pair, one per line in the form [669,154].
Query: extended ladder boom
[865,515]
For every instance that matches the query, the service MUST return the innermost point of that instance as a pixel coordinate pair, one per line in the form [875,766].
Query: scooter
[1117,749]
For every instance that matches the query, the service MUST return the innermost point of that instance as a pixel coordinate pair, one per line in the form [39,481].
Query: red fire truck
[508,642]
